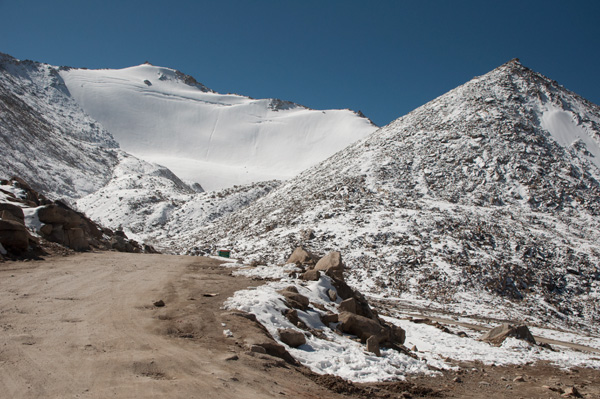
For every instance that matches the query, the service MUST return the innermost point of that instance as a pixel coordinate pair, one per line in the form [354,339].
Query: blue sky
[382,57]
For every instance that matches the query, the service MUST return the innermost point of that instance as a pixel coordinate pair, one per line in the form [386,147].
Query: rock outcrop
[51,221]
[497,335]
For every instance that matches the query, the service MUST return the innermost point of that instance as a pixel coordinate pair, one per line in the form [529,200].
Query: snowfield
[218,140]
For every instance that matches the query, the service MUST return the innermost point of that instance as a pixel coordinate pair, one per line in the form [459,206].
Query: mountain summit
[486,200]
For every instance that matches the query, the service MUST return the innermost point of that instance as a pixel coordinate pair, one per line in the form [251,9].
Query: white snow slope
[218,140]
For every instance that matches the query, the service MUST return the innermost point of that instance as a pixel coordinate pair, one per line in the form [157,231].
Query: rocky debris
[59,224]
[373,345]
[498,334]
[519,378]
[302,257]
[332,265]
[159,304]
[291,337]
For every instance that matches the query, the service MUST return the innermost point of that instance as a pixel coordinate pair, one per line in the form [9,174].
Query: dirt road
[85,326]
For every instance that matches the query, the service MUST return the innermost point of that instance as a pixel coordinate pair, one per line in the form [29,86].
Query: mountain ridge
[467,202]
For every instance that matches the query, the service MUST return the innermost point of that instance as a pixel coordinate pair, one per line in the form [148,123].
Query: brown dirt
[85,326]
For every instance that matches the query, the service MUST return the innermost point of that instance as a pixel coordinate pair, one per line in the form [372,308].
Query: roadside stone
[571,392]
[332,265]
[75,239]
[14,236]
[258,349]
[311,275]
[291,337]
[373,345]
[302,256]
[498,334]
[362,327]
[159,304]
[348,305]
[295,300]
[398,335]
[519,378]
[292,316]
[332,295]
[329,317]
[15,211]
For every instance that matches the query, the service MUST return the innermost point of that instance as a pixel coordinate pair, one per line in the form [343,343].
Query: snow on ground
[436,345]
[341,355]
[218,140]
[335,353]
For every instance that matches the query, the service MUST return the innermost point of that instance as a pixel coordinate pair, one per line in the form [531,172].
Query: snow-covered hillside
[218,140]
[484,201]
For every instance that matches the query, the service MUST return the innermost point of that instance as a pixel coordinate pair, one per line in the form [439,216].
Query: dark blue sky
[382,57]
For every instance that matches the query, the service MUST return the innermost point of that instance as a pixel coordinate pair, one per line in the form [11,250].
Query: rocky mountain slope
[46,138]
[484,201]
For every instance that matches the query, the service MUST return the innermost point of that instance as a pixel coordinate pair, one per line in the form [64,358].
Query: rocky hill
[484,201]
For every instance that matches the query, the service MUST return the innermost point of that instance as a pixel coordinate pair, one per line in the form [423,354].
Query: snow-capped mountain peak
[487,197]
[218,140]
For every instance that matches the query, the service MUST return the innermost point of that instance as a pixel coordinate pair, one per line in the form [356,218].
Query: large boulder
[498,334]
[14,236]
[332,265]
[302,257]
[55,214]
[75,239]
[7,210]
[363,327]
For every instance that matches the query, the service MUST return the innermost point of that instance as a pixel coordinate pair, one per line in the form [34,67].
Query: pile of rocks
[58,223]
[355,316]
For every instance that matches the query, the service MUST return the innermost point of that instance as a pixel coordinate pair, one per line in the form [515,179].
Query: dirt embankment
[85,326]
